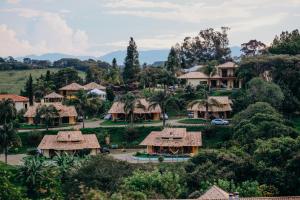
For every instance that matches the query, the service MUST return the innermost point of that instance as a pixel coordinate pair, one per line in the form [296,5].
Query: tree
[102,173]
[8,190]
[81,104]
[66,76]
[130,102]
[110,96]
[113,74]
[286,43]
[206,102]
[210,70]
[64,162]
[94,74]
[47,113]
[28,90]
[40,178]
[253,48]
[132,65]
[8,134]
[259,90]
[155,185]
[173,62]
[162,99]
[206,46]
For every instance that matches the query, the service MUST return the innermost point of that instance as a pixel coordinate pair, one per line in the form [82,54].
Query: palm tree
[82,102]
[64,162]
[162,99]
[48,113]
[207,102]
[130,101]
[210,70]
[8,134]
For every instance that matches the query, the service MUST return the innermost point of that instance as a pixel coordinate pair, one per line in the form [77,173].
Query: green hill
[13,81]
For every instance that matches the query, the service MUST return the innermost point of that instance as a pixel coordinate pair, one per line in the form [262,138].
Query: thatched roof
[73,87]
[63,111]
[69,140]
[53,95]
[224,105]
[173,137]
[14,97]
[214,193]
[118,107]
[93,85]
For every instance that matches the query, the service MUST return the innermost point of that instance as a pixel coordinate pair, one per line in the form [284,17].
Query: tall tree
[113,75]
[162,99]
[130,101]
[173,62]
[206,46]
[66,76]
[206,102]
[94,74]
[286,43]
[29,91]
[210,70]
[47,113]
[82,102]
[132,65]
[253,48]
[7,132]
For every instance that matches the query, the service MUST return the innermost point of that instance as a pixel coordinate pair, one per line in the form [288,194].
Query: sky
[96,27]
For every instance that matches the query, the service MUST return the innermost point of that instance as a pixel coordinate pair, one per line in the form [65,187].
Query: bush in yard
[130,134]
[34,138]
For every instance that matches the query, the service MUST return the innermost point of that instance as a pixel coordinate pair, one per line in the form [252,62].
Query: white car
[219,122]
[166,117]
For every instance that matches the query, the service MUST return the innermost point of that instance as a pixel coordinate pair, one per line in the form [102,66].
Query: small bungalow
[214,193]
[69,91]
[20,101]
[145,113]
[174,141]
[67,114]
[70,142]
[220,110]
[53,98]
[93,85]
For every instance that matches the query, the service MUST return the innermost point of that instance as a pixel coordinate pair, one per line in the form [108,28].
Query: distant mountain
[148,57]
[55,56]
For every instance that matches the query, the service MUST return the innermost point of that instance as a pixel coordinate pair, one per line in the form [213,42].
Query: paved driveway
[15,159]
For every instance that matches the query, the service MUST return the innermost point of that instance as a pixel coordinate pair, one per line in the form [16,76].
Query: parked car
[219,122]
[104,150]
[190,115]
[80,118]
[107,117]
[166,116]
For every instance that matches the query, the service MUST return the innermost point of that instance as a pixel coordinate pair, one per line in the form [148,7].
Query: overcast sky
[95,27]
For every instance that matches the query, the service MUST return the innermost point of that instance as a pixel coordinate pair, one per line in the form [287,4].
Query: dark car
[104,150]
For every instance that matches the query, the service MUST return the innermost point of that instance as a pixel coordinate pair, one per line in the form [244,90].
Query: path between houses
[96,124]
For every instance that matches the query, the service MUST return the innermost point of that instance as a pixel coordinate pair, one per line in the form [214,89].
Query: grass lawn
[12,81]
[192,121]
[31,126]
[109,122]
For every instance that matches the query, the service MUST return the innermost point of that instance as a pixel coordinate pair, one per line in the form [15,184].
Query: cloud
[48,31]
[13,1]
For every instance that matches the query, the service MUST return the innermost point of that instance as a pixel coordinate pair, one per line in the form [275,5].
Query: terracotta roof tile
[53,95]
[87,141]
[227,65]
[194,75]
[73,87]
[93,85]
[173,137]
[214,193]
[64,111]
[14,97]
[224,101]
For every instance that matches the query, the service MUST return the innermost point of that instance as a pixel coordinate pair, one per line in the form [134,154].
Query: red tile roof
[14,97]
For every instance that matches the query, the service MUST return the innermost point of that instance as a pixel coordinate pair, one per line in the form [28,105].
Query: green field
[13,81]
